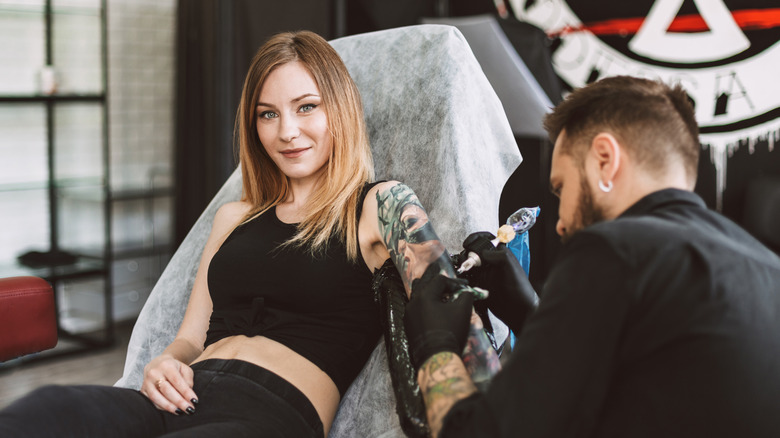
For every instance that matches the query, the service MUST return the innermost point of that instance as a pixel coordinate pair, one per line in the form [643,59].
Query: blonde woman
[281,317]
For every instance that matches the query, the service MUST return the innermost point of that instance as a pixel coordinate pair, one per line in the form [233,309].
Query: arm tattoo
[479,357]
[409,236]
[413,247]
[443,381]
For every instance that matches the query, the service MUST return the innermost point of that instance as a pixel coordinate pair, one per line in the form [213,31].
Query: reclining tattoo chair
[435,124]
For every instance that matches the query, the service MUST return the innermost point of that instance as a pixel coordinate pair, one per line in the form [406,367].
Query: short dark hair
[654,121]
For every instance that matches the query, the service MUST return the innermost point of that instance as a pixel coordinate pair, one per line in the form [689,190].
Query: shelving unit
[75,183]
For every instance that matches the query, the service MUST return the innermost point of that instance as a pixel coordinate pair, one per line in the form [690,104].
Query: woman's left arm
[394,224]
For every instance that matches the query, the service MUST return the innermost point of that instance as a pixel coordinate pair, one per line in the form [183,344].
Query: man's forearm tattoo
[408,235]
[479,358]
[443,381]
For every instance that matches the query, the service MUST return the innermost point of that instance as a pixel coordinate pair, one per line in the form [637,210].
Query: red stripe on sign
[749,19]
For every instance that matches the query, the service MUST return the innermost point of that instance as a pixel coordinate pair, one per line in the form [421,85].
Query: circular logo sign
[725,53]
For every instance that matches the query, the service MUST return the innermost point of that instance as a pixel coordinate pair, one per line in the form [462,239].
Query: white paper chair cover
[435,124]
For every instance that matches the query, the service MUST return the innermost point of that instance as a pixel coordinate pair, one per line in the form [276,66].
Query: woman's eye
[267,115]
[307,107]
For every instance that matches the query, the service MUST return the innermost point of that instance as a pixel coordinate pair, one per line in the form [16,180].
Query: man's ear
[606,151]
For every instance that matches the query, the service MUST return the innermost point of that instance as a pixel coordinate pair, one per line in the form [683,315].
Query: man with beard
[661,318]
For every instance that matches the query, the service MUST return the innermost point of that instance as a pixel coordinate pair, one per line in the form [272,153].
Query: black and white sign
[725,53]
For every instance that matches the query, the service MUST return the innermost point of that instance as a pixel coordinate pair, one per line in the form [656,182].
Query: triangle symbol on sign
[690,22]
[655,41]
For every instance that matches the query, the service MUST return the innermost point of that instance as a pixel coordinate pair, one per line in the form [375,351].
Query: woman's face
[292,123]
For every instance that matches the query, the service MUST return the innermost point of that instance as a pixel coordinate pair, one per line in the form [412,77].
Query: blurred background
[116,123]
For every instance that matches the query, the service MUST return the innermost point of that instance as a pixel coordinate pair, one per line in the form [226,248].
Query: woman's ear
[606,151]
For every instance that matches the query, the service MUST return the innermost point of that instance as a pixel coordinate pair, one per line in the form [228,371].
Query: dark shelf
[54,264]
[43,98]
[84,267]
[60,184]
[139,194]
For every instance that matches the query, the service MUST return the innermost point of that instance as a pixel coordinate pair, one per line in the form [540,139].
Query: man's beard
[587,212]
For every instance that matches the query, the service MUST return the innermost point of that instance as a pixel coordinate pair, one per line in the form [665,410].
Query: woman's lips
[294,153]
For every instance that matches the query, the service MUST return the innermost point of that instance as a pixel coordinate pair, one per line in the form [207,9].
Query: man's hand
[511,297]
[434,321]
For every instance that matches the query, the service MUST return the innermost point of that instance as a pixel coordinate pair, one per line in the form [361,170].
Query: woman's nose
[560,228]
[288,128]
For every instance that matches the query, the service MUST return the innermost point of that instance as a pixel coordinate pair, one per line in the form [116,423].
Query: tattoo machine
[514,234]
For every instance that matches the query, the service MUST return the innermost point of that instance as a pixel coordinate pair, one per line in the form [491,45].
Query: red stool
[28,320]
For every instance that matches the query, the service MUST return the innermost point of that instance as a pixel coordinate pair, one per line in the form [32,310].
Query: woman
[281,318]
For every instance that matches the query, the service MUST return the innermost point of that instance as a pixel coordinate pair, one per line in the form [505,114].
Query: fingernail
[179,411]
[194,401]
[190,410]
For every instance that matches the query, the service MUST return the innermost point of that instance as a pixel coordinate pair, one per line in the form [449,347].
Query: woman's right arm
[168,379]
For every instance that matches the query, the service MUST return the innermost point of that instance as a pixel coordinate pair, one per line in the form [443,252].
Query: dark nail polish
[194,401]
[190,410]
[179,411]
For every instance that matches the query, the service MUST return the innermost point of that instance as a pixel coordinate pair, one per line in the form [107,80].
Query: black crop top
[320,306]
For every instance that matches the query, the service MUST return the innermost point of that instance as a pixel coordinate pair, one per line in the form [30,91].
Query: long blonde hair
[332,207]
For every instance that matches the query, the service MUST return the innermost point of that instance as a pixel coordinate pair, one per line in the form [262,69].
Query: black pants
[235,399]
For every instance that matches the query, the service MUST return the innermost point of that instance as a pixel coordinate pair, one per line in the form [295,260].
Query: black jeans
[235,399]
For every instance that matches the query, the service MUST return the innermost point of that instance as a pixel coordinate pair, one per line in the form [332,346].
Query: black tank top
[319,306]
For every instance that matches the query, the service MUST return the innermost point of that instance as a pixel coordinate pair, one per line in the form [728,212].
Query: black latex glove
[511,297]
[435,323]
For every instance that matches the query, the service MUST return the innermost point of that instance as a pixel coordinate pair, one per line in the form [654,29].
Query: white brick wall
[141,38]
[22,52]
[141,67]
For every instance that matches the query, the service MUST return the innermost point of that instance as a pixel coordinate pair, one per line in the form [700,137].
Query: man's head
[632,135]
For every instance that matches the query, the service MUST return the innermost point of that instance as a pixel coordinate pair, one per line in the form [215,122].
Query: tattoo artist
[660,318]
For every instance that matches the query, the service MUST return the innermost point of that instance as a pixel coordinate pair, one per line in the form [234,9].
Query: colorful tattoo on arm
[479,357]
[413,247]
[443,380]
[409,236]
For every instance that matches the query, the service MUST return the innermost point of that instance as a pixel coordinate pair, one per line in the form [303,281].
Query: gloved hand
[434,322]
[511,297]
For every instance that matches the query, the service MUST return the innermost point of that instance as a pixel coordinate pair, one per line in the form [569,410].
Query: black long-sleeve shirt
[664,322]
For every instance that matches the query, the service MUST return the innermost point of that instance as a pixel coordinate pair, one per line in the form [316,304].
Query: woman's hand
[168,384]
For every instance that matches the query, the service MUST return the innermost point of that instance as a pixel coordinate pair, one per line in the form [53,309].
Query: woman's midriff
[287,364]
